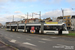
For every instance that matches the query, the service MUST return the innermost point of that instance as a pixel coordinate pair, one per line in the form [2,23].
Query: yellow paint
[13,30]
[32,32]
[51,22]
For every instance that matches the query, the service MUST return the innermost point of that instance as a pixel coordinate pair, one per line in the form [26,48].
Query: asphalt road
[26,41]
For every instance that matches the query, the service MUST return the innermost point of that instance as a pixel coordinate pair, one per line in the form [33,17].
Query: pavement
[5,47]
[26,41]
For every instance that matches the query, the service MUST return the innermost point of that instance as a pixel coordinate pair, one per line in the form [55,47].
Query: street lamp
[38,14]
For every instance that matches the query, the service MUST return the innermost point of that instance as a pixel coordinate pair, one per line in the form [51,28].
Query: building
[7,22]
[47,20]
[67,20]
[59,19]
[73,22]
[54,19]
[1,25]
[32,20]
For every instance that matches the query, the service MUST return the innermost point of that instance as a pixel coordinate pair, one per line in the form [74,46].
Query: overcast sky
[48,8]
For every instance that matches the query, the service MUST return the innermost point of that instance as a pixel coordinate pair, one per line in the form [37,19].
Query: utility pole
[40,15]
[42,27]
[27,17]
[24,26]
[32,15]
[10,27]
[21,17]
[62,13]
[13,18]
[17,26]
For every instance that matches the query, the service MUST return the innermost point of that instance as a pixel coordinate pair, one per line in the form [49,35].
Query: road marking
[18,37]
[41,41]
[13,41]
[6,34]
[11,36]
[61,44]
[46,39]
[27,43]
[54,37]
[64,46]
[28,39]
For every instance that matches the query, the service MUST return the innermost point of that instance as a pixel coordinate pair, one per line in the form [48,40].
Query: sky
[48,8]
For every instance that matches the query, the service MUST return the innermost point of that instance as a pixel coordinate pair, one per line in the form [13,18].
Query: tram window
[50,27]
[8,27]
[64,27]
[21,27]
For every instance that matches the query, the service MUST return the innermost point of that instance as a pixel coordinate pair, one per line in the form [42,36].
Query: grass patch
[71,31]
[71,34]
